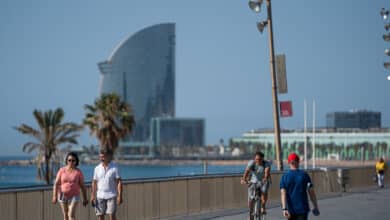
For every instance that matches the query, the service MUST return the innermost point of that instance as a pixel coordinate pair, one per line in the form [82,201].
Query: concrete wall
[160,198]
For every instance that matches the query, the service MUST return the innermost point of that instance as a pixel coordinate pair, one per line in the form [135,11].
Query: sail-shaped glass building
[141,69]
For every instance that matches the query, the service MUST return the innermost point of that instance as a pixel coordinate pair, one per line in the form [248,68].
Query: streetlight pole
[274,87]
[256,5]
[385,15]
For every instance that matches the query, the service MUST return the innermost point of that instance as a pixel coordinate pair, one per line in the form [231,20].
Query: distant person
[106,186]
[380,168]
[257,175]
[67,187]
[295,184]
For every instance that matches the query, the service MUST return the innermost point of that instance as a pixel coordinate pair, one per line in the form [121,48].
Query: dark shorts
[298,217]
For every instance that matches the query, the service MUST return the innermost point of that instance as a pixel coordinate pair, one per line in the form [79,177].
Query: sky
[49,52]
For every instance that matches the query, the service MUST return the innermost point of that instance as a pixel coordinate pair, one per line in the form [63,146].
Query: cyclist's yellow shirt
[380,166]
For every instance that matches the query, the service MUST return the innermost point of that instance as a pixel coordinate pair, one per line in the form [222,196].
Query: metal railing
[155,198]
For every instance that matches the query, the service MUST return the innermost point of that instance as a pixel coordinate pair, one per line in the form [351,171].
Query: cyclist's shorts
[262,186]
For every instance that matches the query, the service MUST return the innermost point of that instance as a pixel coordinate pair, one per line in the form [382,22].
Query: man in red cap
[294,186]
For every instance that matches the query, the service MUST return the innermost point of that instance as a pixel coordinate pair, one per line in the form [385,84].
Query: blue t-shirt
[257,172]
[296,183]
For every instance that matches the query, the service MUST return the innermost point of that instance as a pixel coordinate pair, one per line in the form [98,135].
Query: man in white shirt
[106,186]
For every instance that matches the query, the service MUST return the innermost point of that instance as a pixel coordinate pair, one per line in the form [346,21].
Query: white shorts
[105,206]
[263,187]
[62,199]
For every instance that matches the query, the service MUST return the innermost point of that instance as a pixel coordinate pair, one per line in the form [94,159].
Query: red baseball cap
[293,157]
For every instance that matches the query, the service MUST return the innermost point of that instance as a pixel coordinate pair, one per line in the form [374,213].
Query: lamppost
[385,15]
[255,5]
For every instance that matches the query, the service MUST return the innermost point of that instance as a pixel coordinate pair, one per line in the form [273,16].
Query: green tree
[51,134]
[109,119]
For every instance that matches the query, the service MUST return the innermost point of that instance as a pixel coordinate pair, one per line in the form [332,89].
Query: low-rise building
[344,143]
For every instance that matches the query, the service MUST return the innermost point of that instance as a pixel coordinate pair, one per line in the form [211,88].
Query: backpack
[252,168]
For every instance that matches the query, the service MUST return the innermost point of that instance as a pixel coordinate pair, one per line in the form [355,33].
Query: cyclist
[258,173]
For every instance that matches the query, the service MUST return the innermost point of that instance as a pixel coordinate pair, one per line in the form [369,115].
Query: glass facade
[354,119]
[141,69]
[177,132]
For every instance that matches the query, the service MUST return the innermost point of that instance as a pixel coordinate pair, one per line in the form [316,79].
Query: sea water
[17,176]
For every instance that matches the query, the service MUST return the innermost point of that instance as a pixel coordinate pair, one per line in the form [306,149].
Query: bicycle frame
[257,215]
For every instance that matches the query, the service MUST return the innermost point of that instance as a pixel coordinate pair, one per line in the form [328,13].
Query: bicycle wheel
[257,212]
[263,216]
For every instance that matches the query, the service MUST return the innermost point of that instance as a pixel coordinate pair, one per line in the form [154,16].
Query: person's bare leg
[100,217]
[264,197]
[250,205]
[72,210]
[64,208]
[112,216]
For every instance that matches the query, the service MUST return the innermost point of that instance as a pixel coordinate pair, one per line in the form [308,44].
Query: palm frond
[67,139]
[39,117]
[30,147]
[57,116]
[89,108]
[28,130]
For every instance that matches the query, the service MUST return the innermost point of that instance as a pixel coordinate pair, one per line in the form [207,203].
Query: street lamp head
[387,52]
[387,26]
[386,37]
[385,13]
[388,77]
[261,26]
[255,5]
[386,65]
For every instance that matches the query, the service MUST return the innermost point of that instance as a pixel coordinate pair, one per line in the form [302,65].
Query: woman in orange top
[70,180]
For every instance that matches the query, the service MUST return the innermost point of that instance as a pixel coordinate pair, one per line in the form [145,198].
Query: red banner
[286,109]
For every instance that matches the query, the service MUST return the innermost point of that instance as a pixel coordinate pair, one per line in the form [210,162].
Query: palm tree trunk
[47,174]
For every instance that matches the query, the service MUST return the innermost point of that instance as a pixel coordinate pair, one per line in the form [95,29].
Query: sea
[23,176]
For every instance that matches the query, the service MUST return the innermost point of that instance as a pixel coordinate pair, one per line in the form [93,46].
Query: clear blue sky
[334,50]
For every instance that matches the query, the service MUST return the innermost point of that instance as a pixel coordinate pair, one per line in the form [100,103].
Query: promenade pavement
[368,203]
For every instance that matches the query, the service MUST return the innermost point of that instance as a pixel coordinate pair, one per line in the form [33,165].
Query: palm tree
[49,136]
[109,119]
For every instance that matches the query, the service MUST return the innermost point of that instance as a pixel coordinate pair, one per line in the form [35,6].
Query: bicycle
[257,214]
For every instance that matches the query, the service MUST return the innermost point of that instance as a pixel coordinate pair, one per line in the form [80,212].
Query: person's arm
[120,190]
[93,191]
[94,186]
[244,178]
[57,182]
[312,195]
[376,168]
[267,173]
[313,199]
[283,201]
[83,190]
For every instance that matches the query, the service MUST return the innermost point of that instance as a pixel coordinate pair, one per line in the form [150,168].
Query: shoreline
[238,162]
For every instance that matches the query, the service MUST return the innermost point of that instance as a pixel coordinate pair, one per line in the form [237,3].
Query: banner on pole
[286,109]
[281,73]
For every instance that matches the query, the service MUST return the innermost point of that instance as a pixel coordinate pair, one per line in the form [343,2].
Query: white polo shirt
[106,180]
